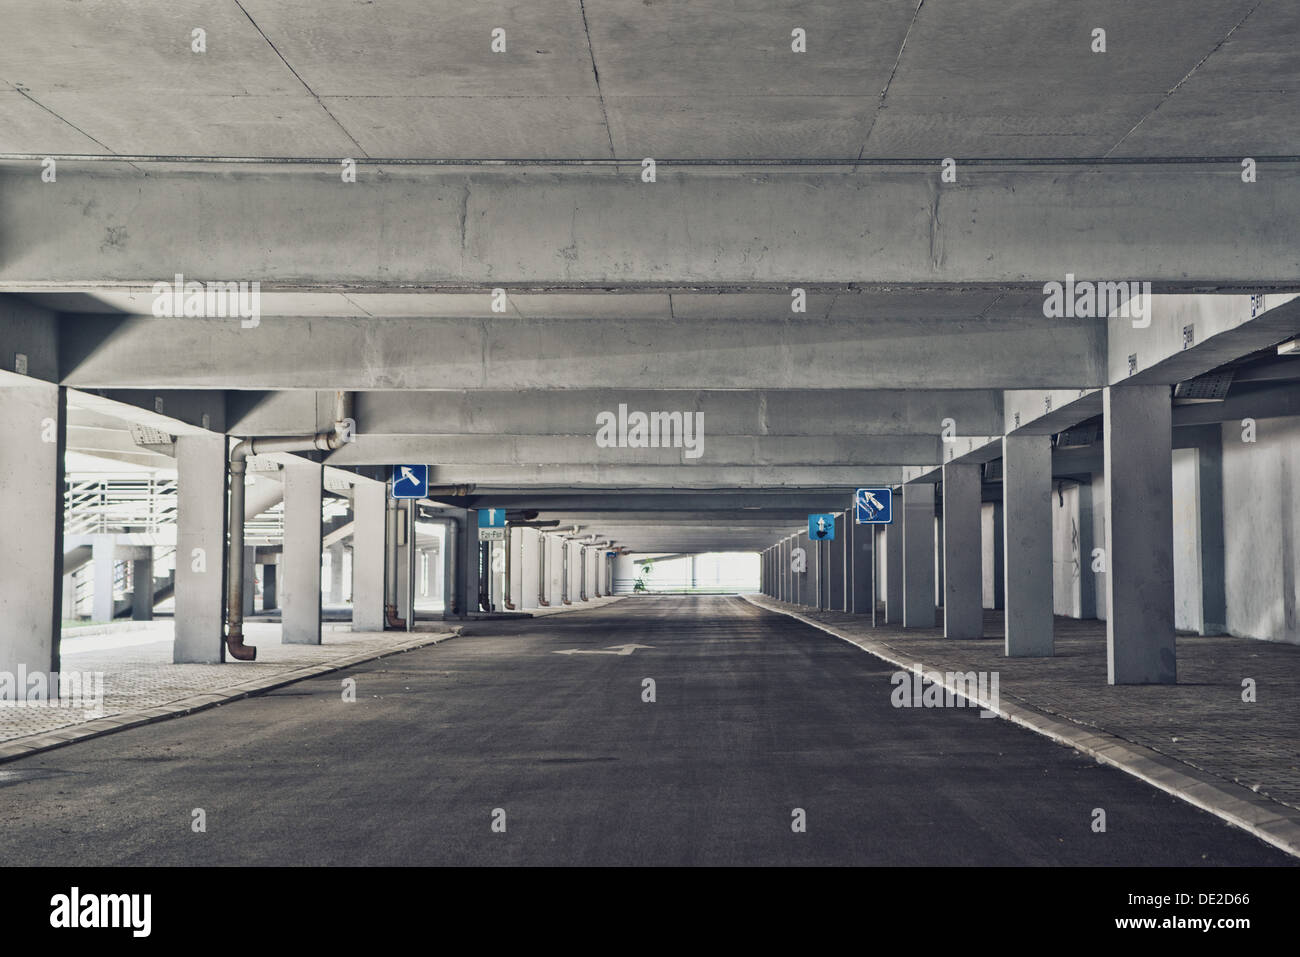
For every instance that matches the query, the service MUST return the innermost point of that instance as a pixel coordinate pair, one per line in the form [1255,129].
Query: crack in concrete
[880,103]
[276,51]
[604,114]
[1174,89]
[27,96]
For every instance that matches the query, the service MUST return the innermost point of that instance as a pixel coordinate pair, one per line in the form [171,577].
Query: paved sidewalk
[1196,739]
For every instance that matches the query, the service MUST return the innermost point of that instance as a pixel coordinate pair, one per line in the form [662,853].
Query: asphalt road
[755,715]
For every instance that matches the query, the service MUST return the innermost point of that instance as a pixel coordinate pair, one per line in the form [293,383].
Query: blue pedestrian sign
[410,481]
[821,527]
[491,518]
[874,506]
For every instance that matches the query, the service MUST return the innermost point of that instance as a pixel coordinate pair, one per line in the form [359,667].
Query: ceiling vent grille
[1204,388]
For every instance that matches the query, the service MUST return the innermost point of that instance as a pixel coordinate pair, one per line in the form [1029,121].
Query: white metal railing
[118,505]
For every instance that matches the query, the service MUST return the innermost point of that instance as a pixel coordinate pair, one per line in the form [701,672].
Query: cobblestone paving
[1202,721]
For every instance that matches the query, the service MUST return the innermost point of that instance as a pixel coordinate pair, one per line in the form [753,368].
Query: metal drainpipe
[319,441]
[564,572]
[392,517]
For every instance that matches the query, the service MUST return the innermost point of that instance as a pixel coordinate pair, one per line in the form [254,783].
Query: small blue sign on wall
[873,506]
[821,527]
[491,518]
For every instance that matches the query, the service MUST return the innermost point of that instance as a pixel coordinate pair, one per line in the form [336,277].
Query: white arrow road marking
[613,650]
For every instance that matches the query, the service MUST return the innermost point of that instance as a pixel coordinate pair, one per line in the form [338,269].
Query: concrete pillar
[963,608]
[201,470]
[407,570]
[1139,520]
[812,581]
[893,534]
[1199,580]
[835,566]
[798,579]
[269,598]
[142,597]
[993,555]
[250,579]
[104,567]
[467,556]
[530,556]
[300,600]
[335,594]
[918,556]
[938,559]
[862,594]
[1027,531]
[368,505]
[791,578]
[33,435]
[817,549]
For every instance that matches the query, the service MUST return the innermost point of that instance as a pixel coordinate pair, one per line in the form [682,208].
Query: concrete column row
[1014,550]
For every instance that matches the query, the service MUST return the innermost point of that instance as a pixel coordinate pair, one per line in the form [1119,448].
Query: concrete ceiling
[815,170]
[601,79]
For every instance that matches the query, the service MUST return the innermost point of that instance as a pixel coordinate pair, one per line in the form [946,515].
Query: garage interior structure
[1062,328]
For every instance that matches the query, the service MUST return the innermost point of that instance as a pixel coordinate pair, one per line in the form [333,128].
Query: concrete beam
[103,352]
[415,227]
[709,450]
[744,412]
[844,479]
[758,501]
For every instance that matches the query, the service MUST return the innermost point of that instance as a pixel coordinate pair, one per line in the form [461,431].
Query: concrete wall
[1261,525]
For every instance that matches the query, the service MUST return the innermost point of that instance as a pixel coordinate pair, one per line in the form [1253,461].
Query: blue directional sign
[821,527]
[873,506]
[491,518]
[410,481]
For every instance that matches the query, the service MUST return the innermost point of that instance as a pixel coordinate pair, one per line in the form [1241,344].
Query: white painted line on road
[611,650]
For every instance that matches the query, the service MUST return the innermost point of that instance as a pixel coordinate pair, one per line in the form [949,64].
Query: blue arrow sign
[410,481]
[491,518]
[873,506]
[821,527]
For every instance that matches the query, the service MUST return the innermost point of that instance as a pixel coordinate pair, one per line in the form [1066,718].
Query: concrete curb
[23,747]
[1268,820]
